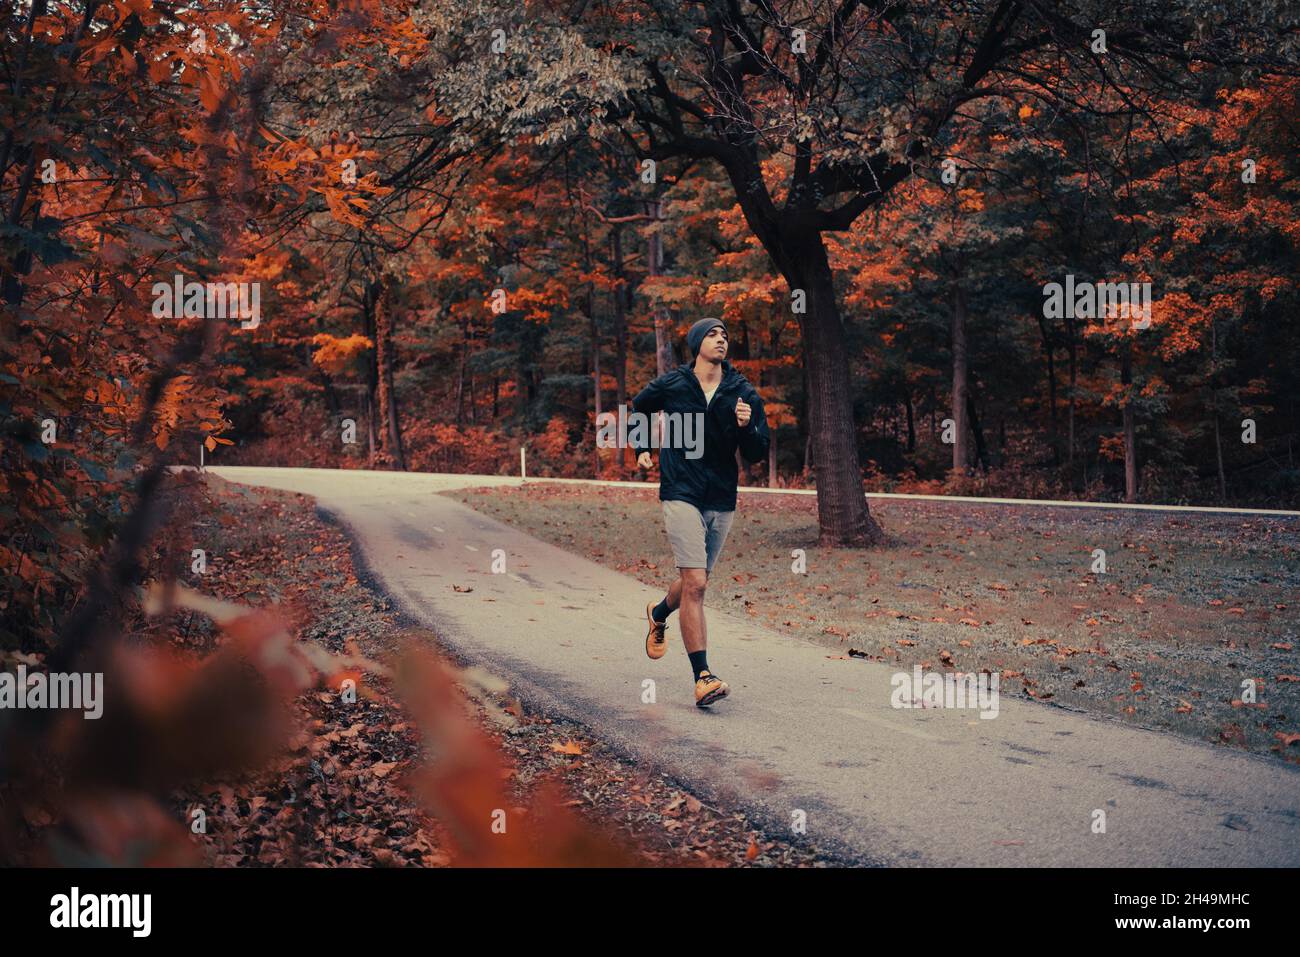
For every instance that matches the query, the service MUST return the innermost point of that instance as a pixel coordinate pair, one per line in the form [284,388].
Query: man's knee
[694,581]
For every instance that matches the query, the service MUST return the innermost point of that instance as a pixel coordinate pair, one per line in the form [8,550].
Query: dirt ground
[1191,608]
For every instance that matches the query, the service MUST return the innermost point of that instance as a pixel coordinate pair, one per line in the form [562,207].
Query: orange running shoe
[655,643]
[708,689]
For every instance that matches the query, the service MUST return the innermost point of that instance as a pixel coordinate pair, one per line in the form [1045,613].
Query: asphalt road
[801,731]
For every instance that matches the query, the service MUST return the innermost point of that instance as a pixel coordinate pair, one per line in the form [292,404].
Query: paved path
[802,731]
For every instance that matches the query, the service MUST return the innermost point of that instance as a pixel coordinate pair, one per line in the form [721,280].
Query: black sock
[699,662]
[661,611]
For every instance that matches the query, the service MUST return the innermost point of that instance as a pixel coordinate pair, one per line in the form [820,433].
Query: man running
[698,495]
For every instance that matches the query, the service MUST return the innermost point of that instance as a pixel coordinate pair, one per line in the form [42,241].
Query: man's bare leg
[673,600]
[686,594]
[708,687]
[690,595]
[674,597]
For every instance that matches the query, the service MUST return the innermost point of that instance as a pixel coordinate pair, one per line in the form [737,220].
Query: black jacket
[707,482]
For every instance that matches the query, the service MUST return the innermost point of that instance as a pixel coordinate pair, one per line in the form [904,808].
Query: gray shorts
[696,536]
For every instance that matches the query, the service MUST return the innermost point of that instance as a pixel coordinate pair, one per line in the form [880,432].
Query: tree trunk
[960,374]
[911,423]
[374,442]
[1074,380]
[842,514]
[390,424]
[595,354]
[622,302]
[1218,456]
[977,430]
[1049,352]
[664,358]
[804,428]
[771,458]
[1214,392]
[331,396]
[595,378]
[594,332]
[395,429]
[1130,434]
[620,317]
[460,374]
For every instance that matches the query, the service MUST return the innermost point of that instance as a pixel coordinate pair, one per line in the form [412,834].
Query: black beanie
[695,338]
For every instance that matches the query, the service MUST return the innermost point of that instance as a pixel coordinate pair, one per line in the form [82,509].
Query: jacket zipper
[699,389]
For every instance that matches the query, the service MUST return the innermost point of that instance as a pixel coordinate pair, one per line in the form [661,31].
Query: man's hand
[742,413]
[643,460]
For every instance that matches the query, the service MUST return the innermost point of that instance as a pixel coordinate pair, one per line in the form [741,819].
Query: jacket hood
[730,374]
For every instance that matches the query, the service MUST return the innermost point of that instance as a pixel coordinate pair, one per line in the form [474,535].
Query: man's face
[715,344]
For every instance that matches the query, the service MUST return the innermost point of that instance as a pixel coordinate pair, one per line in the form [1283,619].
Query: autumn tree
[857,95]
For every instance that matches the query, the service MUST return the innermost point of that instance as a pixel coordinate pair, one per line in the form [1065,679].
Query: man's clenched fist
[742,413]
[643,460]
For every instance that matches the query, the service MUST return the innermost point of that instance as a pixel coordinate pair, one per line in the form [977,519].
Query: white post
[201,450]
[523,472]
